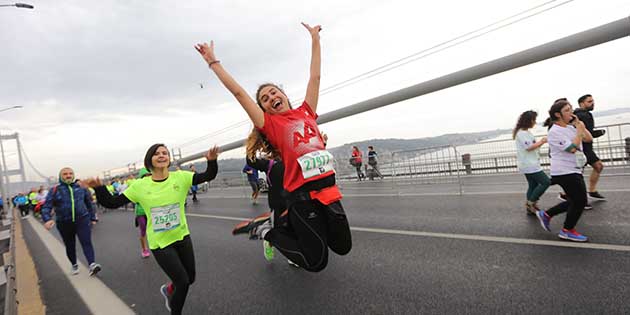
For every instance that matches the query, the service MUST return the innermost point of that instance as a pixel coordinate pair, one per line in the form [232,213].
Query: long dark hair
[148,164]
[525,121]
[555,108]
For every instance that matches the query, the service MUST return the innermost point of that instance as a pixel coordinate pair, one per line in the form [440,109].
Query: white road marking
[99,298]
[511,240]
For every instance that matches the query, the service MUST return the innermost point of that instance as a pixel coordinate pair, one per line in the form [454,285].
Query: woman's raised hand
[313,30]
[206,51]
[93,182]
[213,153]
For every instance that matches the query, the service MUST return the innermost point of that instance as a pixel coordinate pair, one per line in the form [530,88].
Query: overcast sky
[100,81]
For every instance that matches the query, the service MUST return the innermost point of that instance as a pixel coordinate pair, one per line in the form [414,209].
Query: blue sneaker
[167,297]
[544,219]
[572,235]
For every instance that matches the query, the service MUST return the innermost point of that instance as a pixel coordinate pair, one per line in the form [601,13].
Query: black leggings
[178,262]
[314,228]
[23,210]
[573,186]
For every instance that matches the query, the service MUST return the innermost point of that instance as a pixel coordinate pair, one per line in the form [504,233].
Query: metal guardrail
[10,298]
[449,164]
[499,156]
[431,165]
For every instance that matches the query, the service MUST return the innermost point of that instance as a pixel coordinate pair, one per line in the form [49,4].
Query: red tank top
[294,133]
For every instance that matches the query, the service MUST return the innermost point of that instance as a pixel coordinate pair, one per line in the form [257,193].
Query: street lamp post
[18,5]
[8,108]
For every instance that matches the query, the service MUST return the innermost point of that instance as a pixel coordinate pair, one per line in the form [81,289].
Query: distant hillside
[387,146]
[383,146]
[611,112]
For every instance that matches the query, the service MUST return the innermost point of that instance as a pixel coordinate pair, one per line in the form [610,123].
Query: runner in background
[194,188]
[141,220]
[528,160]
[252,179]
[373,161]
[74,216]
[587,105]
[565,139]
[357,161]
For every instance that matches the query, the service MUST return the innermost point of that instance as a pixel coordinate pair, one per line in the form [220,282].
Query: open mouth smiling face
[273,100]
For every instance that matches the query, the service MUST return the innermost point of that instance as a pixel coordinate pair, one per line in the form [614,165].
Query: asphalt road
[412,254]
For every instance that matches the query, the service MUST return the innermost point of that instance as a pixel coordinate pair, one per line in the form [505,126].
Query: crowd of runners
[570,140]
[306,216]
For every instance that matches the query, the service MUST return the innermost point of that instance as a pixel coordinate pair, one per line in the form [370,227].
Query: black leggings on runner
[178,262]
[573,185]
[314,228]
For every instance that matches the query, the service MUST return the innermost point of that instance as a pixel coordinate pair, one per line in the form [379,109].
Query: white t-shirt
[527,161]
[562,161]
[41,196]
[121,188]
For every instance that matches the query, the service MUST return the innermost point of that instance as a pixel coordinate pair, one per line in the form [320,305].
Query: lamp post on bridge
[19,5]
[9,108]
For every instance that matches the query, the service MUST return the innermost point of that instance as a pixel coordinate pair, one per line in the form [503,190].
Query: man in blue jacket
[22,203]
[74,217]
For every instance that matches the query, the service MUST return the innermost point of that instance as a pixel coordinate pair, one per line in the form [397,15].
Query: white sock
[264,232]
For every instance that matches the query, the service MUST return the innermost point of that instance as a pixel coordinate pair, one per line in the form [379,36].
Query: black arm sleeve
[259,164]
[587,119]
[107,200]
[208,175]
[597,133]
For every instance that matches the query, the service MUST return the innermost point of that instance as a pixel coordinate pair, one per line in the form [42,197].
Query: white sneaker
[94,268]
[75,269]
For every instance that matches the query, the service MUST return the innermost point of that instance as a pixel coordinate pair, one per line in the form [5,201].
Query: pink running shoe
[146,253]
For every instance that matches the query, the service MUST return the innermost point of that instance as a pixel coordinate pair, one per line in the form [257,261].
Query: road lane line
[511,240]
[474,193]
[99,298]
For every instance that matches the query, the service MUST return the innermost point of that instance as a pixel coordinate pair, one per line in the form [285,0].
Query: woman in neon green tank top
[163,195]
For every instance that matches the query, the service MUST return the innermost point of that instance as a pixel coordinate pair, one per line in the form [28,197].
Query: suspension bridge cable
[410,58]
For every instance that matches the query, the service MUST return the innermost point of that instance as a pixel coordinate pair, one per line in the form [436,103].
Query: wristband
[213,62]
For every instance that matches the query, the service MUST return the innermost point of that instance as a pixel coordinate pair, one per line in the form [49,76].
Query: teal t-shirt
[163,204]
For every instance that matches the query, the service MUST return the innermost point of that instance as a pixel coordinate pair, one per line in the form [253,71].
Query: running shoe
[596,195]
[249,225]
[588,206]
[572,235]
[292,264]
[529,207]
[563,197]
[94,268]
[167,296]
[268,250]
[75,269]
[544,220]
[146,253]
